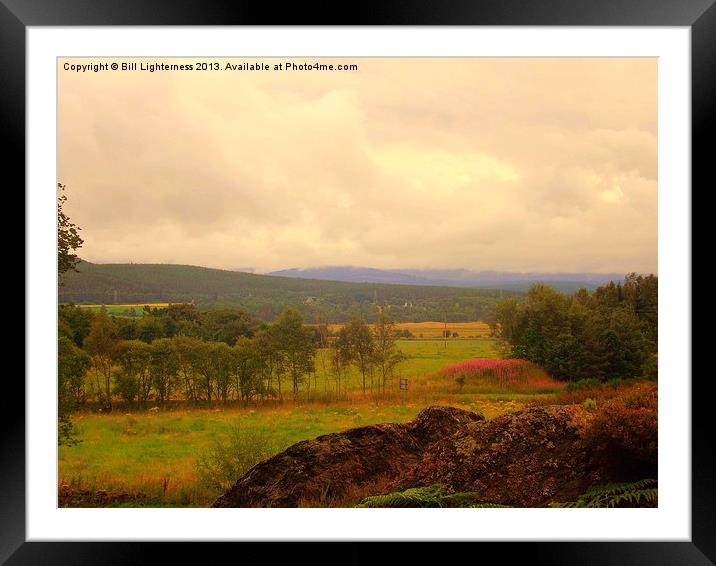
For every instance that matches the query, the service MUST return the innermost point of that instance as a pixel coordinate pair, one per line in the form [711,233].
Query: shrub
[625,430]
[582,384]
[66,433]
[219,467]
[126,386]
[617,381]
[642,393]
[404,333]
[651,367]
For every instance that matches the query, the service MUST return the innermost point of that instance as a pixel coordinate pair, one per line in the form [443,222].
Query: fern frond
[616,494]
[430,496]
[461,499]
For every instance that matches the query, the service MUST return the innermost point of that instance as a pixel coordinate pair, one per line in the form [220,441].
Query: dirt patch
[524,459]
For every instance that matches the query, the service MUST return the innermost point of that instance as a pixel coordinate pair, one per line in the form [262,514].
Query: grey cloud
[513,164]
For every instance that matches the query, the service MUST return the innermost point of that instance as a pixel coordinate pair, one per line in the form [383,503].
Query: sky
[487,164]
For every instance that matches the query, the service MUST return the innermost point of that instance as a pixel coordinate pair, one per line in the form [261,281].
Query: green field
[154,453]
[424,358]
[126,310]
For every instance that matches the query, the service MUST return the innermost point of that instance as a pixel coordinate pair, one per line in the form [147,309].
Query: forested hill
[566,282]
[266,296]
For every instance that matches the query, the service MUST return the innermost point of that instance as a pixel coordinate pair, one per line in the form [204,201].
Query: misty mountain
[450,277]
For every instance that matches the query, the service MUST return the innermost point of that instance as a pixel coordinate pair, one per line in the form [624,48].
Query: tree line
[266,297]
[218,325]
[212,357]
[610,333]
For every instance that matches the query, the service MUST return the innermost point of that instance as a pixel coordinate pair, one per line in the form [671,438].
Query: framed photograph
[401,278]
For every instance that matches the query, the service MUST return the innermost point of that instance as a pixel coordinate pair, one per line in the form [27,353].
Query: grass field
[154,454]
[129,309]
[434,330]
[424,358]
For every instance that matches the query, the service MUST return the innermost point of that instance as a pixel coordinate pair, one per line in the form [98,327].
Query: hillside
[265,296]
[567,282]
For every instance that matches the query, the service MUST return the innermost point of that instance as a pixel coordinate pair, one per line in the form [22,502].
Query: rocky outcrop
[525,459]
[329,468]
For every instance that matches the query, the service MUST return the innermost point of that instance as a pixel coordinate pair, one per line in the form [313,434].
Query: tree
[296,346]
[641,293]
[341,356]
[149,329]
[247,369]
[610,333]
[386,356]
[189,355]
[163,367]
[126,327]
[133,381]
[206,371]
[227,325]
[74,322]
[503,318]
[357,346]
[221,361]
[101,343]
[324,343]
[625,345]
[72,365]
[68,238]
[272,359]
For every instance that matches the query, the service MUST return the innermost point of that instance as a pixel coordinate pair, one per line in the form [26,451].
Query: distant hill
[356,275]
[452,277]
[265,296]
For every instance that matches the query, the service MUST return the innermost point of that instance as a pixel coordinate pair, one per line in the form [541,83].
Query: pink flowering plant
[509,373]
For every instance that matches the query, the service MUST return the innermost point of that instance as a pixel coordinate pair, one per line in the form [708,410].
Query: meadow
[151,455]
[154,454]
[435,330]
[423,359]
[129,309]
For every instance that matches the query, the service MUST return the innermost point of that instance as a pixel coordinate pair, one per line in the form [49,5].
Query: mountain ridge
[266,296]
[443,277]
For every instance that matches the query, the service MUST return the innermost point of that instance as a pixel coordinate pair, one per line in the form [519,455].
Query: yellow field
[433,330]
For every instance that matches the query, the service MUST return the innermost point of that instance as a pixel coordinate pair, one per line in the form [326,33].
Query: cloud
[511,164]
[614,195]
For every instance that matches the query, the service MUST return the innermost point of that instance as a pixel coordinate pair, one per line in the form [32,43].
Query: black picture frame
[699,15]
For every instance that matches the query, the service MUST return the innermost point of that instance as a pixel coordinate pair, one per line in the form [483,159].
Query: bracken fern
[617,494]
[434,495]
